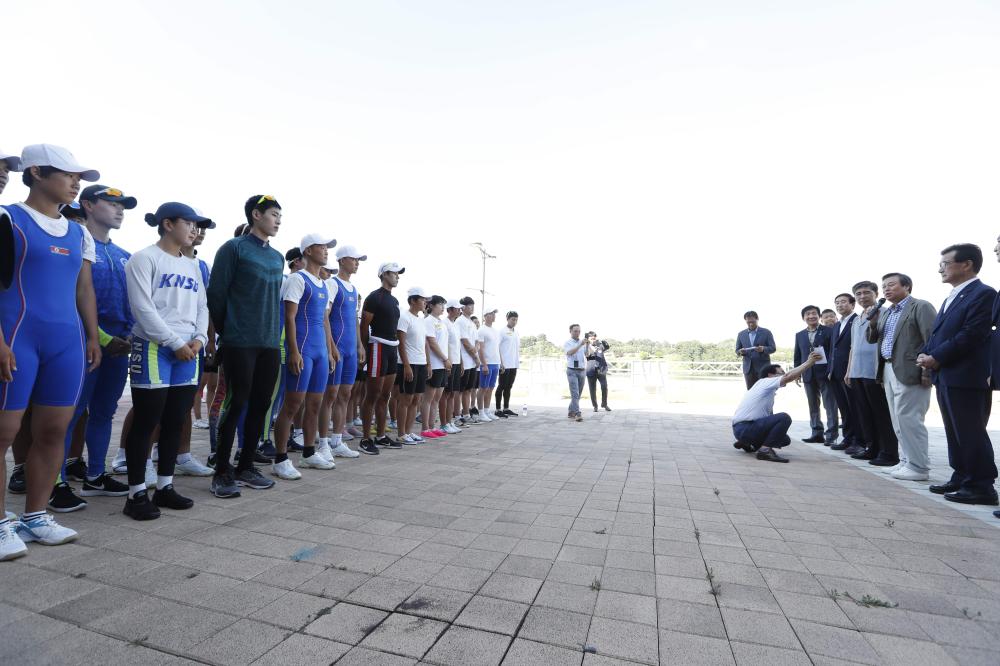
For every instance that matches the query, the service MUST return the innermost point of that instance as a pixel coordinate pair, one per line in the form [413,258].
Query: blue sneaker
[45,530]
[267,449]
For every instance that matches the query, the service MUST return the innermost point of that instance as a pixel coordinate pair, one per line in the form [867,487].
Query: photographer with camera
[597,370]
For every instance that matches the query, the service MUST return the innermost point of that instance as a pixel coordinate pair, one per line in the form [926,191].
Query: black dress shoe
[971,497]
[743,446]
[996,514]
[865,455]
[843,446]
[770,456]
[854,449]
[815,439]
[883,462]
[942,488]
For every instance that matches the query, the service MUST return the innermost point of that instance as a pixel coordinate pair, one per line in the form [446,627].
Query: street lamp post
[486,255]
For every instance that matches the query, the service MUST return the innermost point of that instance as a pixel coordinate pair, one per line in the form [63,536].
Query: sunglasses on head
[109,191]
[266,197]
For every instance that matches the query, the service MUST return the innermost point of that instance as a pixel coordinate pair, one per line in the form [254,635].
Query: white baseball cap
[316,239]
[453,303]
[493,311]
[390,267]
[417,291]
[46,154]
[13,161]
[350,251]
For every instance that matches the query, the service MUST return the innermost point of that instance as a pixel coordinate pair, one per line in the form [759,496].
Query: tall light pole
[486,255]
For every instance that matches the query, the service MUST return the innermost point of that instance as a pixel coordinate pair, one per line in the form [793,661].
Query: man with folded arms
[901,333]
[958,356]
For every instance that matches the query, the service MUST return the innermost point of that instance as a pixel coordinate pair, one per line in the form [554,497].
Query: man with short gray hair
[576,368]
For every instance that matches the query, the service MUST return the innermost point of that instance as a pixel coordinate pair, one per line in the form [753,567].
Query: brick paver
[632,538]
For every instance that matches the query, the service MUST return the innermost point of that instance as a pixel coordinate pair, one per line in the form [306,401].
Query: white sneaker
[317,461]
[45,530]
[475,419]
[119,465]
[11,545]
[909,474]
[150,474]
[200,424]
[452,429]
[342,451]
[415,437]
[346,436]
[324,451]
[357,423]
[895,468]
[407,439]
[285,470]
[299,437]
[193,468]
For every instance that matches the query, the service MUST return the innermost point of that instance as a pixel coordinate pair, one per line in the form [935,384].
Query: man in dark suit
[816,378]
[839,364]
[958,355]
[995,343]
[755,345]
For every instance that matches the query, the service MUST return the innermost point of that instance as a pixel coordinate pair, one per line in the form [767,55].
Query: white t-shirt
[437,331]
[490,337]
[58,227]
[167,298]
[510,348]
[454,343]
[294,286]
[467,331]
[759,400]
[577,359]
[416,337]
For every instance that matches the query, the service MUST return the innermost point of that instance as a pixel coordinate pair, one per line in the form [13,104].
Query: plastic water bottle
[524,410]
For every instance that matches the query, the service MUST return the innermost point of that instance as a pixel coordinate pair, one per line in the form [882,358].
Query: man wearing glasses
[244,300]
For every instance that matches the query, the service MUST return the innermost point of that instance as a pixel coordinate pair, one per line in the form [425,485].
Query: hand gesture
[295,362]
[8,365]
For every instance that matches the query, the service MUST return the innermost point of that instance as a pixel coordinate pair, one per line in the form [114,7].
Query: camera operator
[597,369]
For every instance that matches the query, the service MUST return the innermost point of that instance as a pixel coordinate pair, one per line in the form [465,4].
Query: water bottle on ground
[524,410]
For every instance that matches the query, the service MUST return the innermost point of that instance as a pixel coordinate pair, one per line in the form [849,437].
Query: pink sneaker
[429,434]
[439,432]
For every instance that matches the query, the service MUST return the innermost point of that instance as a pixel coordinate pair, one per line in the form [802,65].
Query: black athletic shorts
[437,378]
[454,382]
[383,360]
[470,379]
[419,382]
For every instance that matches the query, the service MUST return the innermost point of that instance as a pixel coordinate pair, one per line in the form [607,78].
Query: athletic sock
[28,515]
[163,481]
[183,458]
[135,490]
[93,479]
[280,458]
[337,439]
[308,451]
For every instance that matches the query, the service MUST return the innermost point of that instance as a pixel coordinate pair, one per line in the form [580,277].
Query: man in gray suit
[901,333]
[755,345]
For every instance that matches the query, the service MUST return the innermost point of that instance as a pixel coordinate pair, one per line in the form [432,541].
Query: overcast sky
[646,169]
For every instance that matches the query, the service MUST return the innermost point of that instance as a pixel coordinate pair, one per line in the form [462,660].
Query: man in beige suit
[902,331]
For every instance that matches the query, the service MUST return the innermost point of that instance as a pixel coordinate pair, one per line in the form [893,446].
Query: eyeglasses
[266,197]
[109,191]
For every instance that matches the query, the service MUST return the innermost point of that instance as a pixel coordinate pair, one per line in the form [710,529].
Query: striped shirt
[895,312]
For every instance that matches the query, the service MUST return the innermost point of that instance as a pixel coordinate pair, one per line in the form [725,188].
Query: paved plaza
[635,537]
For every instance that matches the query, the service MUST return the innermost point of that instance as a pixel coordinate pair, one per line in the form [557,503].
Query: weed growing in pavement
[596,585]
[715,587]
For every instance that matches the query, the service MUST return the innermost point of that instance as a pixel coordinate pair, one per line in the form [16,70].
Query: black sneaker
[76,469]
[140,508]
[104,485]
[366,446]
[17,484]
[509,412]
[267,450]
[252,478]
[293,445]
[211,460]
[62,499]
[389,442]
[224,485]
[168,498]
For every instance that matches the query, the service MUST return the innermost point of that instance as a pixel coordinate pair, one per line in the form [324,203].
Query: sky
[646,169]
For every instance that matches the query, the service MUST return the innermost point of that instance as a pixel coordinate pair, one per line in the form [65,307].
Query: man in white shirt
[576,369]
[470,361]
[453,388]
[755,425]
[411,381]
[510,359]
[488,343]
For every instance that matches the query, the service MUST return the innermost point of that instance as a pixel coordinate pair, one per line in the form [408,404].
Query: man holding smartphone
[576,369]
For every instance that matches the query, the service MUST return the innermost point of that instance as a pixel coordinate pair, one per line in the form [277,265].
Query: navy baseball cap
[72,211]
[173,209]
[293,255]
[93,192]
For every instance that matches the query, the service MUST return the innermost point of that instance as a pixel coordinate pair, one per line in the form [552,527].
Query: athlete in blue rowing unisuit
[49,335]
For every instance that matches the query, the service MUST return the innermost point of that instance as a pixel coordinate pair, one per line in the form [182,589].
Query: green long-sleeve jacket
[244,294]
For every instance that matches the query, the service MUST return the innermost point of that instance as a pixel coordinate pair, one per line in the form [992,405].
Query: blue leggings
[102,389]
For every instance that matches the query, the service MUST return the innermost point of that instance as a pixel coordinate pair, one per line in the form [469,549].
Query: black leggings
[251,373]
[164,407]
[504,385]
[592,382]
